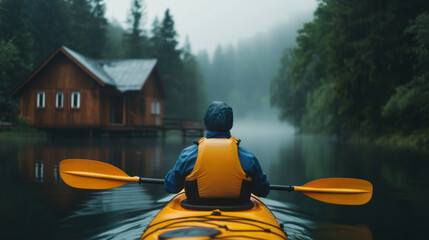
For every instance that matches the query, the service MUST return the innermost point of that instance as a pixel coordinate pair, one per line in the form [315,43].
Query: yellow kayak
[179,220]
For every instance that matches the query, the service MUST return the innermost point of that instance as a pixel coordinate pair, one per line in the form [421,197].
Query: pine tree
[98,31]
[88,27]
[16,44]
[155,39]
[136,41]
[49,24]
[348,62]
[168,54]
[194,89]
[165,40]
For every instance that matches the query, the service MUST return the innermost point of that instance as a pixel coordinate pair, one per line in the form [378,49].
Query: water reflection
[47,208]
[341,232]
[36,204]
[121,212]
[40,163]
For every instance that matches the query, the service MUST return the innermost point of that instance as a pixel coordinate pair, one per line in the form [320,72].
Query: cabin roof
[124,74]
[91,65]
[128,75]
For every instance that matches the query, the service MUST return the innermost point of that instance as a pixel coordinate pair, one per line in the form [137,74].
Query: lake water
[36,204]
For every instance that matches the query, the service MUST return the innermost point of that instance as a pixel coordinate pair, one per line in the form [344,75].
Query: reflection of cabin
[71,91]
[40,164]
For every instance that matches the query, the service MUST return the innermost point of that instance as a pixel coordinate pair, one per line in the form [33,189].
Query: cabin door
[116,110]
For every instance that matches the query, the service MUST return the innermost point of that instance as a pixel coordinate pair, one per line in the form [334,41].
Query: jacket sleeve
[251,166]
[175,178]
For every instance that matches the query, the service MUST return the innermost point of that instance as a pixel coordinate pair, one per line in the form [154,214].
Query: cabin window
[59,102]
[39,171]
[75,100]
[155,108]
[41,99]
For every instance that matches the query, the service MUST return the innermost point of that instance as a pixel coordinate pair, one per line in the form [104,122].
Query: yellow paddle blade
[344,191]
[89,174]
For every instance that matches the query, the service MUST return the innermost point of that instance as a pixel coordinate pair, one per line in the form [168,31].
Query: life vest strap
[200,140]
[191,191]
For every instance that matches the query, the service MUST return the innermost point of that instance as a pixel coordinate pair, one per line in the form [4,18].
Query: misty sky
[208,23]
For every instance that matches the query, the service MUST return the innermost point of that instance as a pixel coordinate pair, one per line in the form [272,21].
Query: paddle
[89,174]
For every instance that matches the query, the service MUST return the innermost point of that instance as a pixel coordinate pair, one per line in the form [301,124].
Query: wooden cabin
[72,91]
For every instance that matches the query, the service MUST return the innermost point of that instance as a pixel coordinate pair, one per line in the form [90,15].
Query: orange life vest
[218,173]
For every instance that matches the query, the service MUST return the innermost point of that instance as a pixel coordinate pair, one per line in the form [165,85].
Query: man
[216,168]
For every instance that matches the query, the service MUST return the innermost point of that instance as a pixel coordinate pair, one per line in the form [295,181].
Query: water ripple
[296,225]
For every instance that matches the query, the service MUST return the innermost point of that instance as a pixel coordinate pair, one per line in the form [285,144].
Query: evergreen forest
[30,30]
[352,69]
[359,69]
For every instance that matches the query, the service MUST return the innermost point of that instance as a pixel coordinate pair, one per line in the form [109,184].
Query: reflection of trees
[399,177]
[40,163]
[35,202]
[342,232]
[307,158]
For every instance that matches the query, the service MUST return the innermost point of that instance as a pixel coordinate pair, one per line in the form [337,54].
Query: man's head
[218,117]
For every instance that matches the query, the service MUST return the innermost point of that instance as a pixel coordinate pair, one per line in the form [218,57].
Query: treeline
[240,74]
[360,68]
[30,30]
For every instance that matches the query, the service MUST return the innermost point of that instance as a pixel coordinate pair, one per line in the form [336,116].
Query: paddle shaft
[89,174]
[116,178]
[140,180]
[288,188]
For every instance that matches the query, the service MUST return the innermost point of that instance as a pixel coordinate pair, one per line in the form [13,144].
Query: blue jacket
[175,178]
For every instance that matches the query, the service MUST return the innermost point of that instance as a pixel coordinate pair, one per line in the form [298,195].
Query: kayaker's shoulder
[244,152]
[190,149]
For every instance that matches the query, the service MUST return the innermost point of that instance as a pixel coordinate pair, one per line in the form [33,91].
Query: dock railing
[188,128]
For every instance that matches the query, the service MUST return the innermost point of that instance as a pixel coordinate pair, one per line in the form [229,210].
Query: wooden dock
[188,128]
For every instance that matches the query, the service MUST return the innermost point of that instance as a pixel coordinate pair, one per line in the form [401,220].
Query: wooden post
[124,111]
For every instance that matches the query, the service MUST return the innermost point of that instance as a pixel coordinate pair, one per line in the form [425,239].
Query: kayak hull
[176,222]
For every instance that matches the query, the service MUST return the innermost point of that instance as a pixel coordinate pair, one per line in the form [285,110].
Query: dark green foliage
[193,90]
[180,72]
[32,30]
[49,24]
[88,25]
[136,43]
[419,28]
[408,108]
[9,69]
[165,44]
[321,106]
[14,27]
[16,43]
[348,62]
[164,40]
[282,94]
[301,71]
